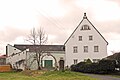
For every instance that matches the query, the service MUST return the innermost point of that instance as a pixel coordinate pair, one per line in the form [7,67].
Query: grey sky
[58,18]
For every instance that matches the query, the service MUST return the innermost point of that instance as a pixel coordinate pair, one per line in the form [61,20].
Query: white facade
[14,56]
[33,66]
[10,50]
[25,59]
[94,49]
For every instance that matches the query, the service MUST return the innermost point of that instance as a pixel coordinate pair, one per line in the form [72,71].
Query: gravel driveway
[103,77]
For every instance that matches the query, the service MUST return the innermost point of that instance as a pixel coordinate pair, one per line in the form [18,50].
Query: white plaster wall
[57,55]
[18,55]
[31,63]
[73,41]
[11,50]
[29,57]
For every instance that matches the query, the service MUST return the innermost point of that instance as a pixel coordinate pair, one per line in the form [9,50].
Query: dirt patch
[33,72]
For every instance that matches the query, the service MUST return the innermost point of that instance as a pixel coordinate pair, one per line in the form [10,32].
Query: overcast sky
[58,18]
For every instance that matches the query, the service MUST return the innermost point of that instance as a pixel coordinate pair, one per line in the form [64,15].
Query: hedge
[104,66]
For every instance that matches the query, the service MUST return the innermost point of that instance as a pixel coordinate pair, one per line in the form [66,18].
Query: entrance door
[61,65]
[48,63]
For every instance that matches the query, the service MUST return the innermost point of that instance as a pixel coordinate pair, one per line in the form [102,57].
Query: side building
[24,56]
[85,42]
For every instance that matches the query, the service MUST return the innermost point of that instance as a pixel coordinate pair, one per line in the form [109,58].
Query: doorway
[48,63]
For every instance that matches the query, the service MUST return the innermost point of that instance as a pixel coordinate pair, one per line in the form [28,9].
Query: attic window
[85,27]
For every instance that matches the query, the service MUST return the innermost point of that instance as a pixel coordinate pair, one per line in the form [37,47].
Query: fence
[5,68]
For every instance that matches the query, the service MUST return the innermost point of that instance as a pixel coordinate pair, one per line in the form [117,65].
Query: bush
[88,61]
[107,65]
[104,66]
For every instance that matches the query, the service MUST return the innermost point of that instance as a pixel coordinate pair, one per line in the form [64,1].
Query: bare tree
[38,38]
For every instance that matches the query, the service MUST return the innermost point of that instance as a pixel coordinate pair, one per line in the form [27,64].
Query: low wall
[5,68]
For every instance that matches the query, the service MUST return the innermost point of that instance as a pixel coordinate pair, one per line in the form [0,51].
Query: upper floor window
[90,37]
[80,38]
[85,27]
[96,48]
[75,49]
[75,61]
[85,48]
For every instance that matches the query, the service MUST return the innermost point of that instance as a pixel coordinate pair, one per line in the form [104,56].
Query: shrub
[107,65]
[73,68]
[104,66]
[88,61]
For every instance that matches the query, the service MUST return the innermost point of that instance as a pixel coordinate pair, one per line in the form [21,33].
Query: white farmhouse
[85,42]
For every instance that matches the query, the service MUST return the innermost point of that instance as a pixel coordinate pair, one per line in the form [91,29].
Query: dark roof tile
[40,47]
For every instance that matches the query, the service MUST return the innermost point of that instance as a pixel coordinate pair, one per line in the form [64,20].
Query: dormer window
[85,27]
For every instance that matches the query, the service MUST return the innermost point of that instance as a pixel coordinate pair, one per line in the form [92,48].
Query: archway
[49,54]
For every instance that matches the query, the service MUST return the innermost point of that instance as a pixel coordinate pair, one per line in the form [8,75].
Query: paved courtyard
[103,77]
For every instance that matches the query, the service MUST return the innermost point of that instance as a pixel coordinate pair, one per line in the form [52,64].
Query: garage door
[48,63]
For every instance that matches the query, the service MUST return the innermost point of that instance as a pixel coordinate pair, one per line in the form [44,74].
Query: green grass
[50,75]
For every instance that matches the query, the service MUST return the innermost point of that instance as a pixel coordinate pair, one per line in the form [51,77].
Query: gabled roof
[85,17]
[40,47]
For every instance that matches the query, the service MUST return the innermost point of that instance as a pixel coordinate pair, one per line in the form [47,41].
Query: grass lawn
[40,75]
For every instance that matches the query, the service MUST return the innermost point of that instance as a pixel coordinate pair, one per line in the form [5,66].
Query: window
[96,48]
[96,60]
[75,49]
[90,37]
[85,48]
[85,60]
[80,38]
[85,27]
[75,61]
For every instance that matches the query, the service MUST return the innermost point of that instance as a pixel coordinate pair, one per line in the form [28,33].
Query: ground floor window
[85,60]
[96,60]
[75,61]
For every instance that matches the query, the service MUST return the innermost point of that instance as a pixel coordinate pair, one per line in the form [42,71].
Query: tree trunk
[39,66]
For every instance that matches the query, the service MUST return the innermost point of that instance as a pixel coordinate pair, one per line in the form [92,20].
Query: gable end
[80,24]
